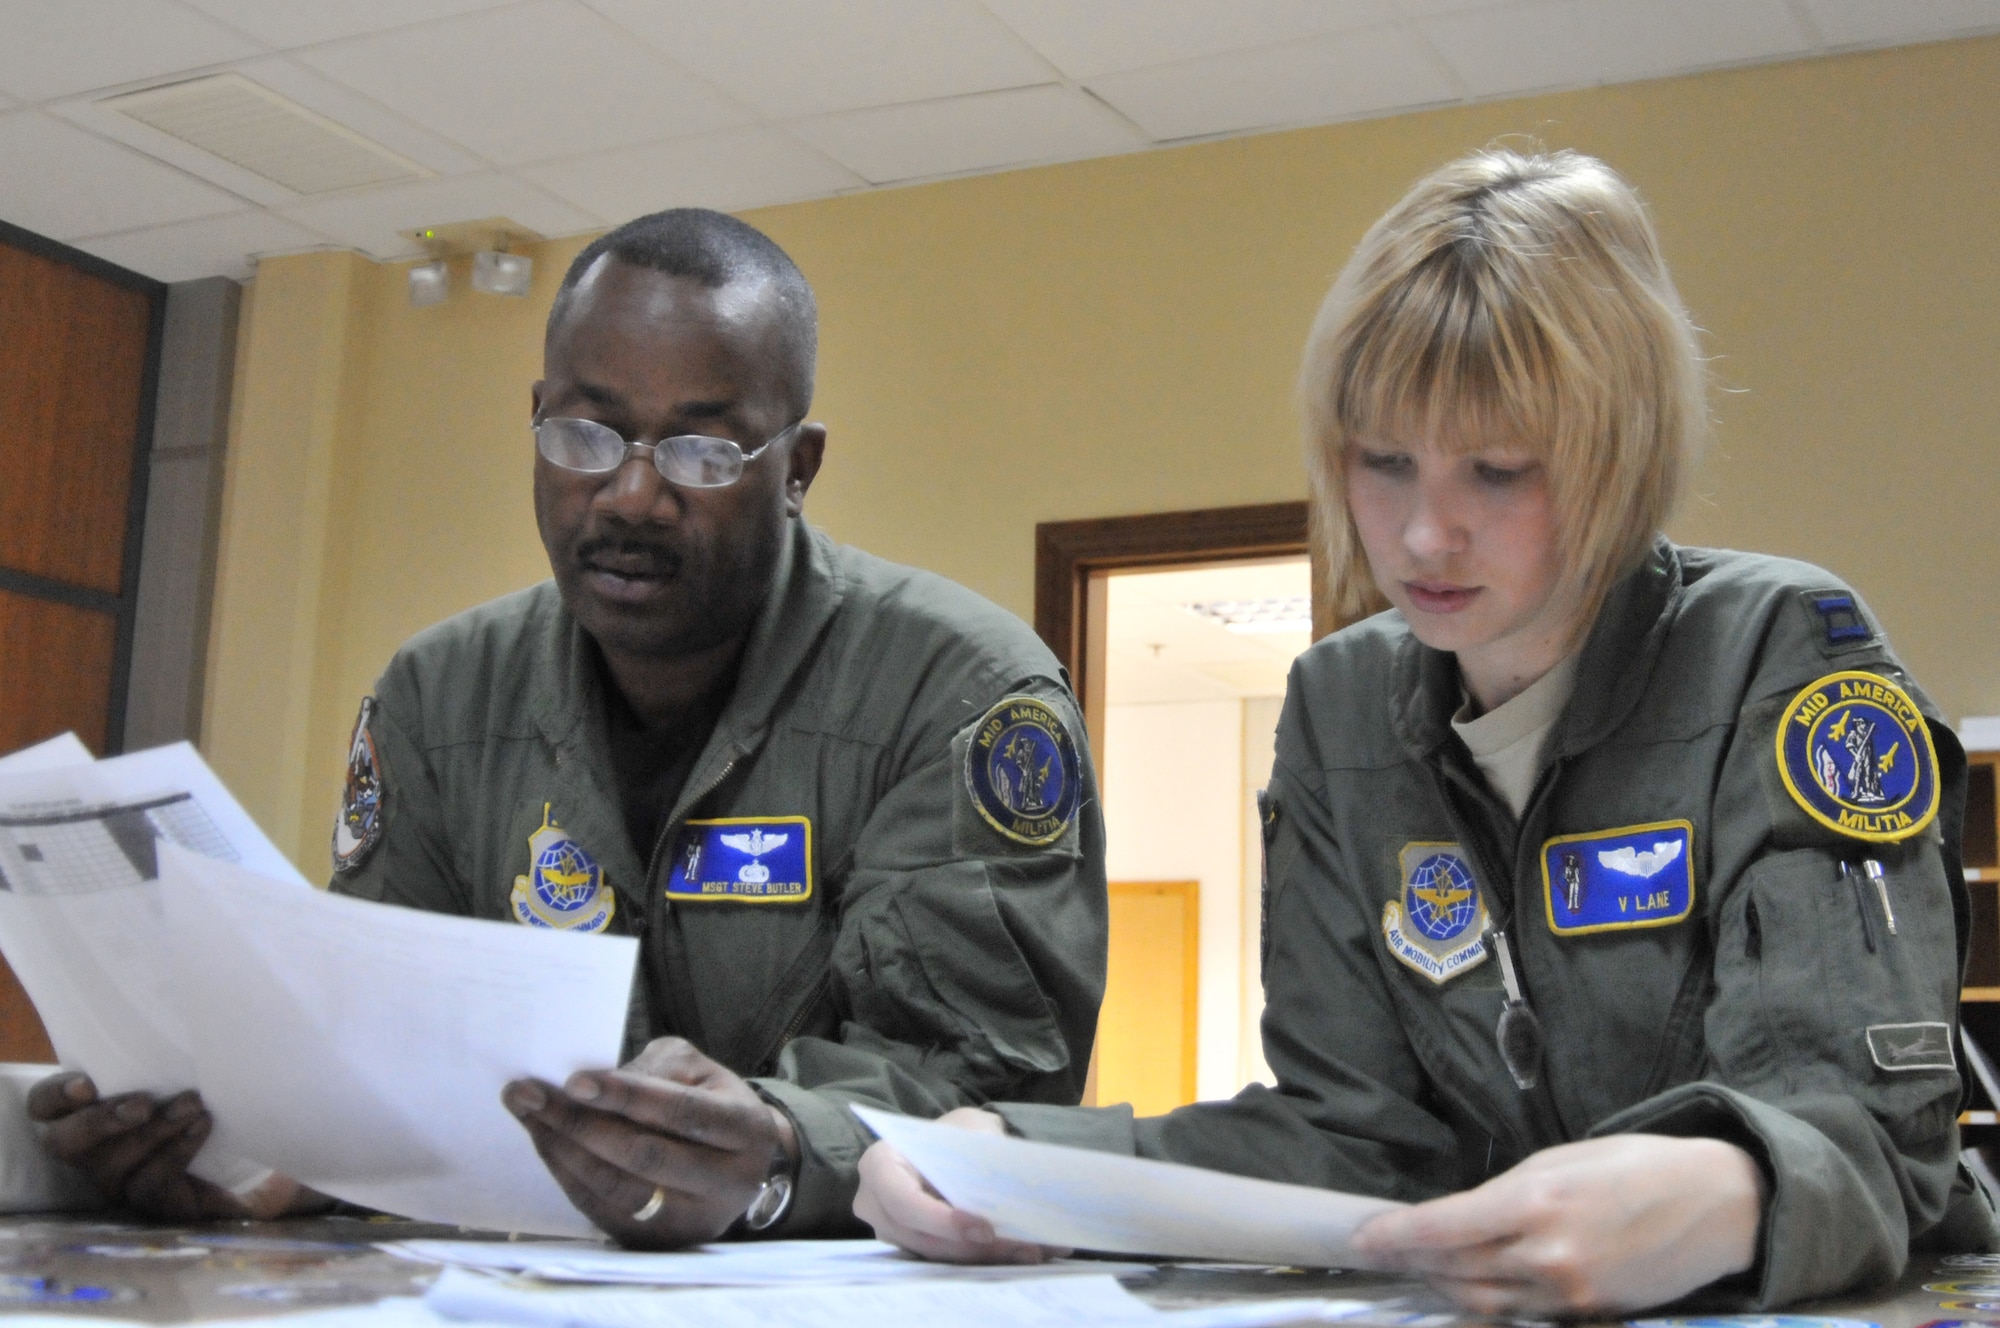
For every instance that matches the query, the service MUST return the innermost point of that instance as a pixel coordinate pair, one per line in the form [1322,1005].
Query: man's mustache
[630,555]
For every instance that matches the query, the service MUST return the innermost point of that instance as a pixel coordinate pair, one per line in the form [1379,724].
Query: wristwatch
[774,1197]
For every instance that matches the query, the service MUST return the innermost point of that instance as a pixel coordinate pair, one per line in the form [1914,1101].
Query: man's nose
[633,491]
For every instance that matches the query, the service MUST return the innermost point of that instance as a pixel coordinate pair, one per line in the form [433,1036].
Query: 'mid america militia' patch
[1855,752]
[1022,771]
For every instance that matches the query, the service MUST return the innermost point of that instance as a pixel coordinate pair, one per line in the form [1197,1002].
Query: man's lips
[1440,596]
[626,573]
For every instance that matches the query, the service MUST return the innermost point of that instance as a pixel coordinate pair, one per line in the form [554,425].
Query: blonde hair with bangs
[1511,300]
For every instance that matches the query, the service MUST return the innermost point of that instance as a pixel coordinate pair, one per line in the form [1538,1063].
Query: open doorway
[1178,629]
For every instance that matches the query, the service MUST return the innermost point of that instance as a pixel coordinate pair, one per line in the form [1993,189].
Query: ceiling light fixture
[497,272]
[1256,617]
[430,283]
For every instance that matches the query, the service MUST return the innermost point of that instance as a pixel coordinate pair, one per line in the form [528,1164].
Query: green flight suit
[935,960]
[1771,1013]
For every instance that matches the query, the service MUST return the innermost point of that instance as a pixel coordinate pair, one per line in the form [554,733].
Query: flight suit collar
[1613,671]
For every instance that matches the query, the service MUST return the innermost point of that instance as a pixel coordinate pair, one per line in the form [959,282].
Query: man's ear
[802,465]
[535,399]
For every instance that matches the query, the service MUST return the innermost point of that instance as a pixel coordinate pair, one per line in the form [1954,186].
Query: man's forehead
[631,296]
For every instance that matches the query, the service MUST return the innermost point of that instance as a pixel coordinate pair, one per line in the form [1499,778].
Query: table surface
[235,1270]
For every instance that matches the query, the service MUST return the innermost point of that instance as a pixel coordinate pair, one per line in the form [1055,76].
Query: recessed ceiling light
[1284,613]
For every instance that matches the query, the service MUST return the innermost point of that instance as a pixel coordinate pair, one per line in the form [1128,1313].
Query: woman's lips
[1440,596]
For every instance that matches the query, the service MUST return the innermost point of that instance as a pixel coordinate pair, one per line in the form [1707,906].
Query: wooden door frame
[1068,553]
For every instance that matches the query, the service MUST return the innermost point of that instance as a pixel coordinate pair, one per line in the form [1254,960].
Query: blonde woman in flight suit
[1609,914]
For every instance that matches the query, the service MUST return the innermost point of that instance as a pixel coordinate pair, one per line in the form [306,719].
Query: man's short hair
[1522,301]
[715,250]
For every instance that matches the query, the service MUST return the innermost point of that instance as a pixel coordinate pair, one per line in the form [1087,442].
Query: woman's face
[1465,545]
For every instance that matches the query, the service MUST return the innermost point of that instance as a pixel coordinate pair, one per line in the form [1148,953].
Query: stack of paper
[1078,1199]
[358,1048]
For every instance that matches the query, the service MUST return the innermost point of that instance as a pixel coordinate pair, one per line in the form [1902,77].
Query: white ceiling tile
[1870,22]
[370,220]
[1430,8]
[53,48]
[1110,35]
[529,83]
[285,23]
[217,247]
[1330,79]
[1577,43]
[982,132]
[740,169]
[99,187]
[790,58]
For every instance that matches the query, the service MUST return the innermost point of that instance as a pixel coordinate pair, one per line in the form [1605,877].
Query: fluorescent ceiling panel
[792,58]
[248,125]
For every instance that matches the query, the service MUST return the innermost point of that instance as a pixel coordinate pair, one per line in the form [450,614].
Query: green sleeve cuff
[1100,1129]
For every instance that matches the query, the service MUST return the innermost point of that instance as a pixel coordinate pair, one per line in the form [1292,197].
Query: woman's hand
[905,1211]
[1607,1224]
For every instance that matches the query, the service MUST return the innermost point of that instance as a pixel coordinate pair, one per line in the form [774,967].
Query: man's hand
[136,1152]
[906,1211]
[1607,1224]
[672,1119]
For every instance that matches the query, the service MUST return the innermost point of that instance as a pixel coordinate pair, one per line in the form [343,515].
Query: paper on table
[1088,1200]
[360,1048]
[750,1263]
[1048,1302]
[80,919]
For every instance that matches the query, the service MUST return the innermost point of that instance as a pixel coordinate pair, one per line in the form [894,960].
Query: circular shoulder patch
[1022,772]
[1854,751]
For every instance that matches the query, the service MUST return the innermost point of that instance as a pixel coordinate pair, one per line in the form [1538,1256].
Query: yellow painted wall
[1120,335]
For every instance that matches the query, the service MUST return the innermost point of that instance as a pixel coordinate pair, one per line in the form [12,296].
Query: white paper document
[742,1263]
[1045,1302]
[361,1048]
[80,920]
[1127,1205]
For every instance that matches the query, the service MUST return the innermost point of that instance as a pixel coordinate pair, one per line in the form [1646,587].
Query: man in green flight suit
[841,803]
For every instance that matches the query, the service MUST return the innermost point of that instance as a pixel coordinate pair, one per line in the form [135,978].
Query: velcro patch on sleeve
[1022,772]
[1903,1048]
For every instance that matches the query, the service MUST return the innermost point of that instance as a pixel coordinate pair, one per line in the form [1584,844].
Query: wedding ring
[653,1205]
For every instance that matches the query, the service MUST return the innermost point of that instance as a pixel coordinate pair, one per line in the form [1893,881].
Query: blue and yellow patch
[1436,923]
[744,860]
[564,889]
[1855,753]
[1619,880]
[359,826]
[1022,772]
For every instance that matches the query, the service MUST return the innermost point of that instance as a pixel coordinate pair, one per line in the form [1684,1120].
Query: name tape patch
[1618,880]
[744,860]
[1855,753]
[1436,922]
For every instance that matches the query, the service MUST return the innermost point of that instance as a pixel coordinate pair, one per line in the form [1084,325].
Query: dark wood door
[79,351]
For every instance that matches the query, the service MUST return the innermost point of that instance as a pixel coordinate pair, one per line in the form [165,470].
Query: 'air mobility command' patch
[564,889]
[1022,771]
[1436,925]
[1855,753]
[359,826]
[744,860]
[1618,880]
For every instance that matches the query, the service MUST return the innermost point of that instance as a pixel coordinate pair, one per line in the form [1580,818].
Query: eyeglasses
[690,459]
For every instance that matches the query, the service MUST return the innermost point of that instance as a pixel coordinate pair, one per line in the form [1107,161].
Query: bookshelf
[1979,999]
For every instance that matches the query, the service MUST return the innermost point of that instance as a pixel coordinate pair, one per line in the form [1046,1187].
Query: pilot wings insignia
[756,843]
[1643,863]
